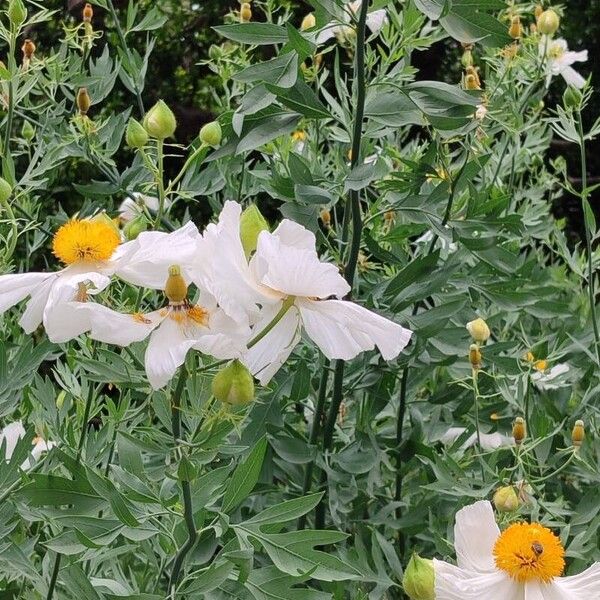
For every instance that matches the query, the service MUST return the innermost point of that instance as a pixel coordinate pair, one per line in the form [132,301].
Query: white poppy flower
[525,562]
[174,330]
[560,59]
[551,379]
[489,441]
[12,433]
[343,30]
[92,251]
[285,270]
[130,208]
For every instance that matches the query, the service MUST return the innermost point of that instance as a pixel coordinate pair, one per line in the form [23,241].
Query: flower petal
[455,583]
[572,77]
[344,329]
[122,329]
[10,435]
[266,357]
[223,338]
[14,288]
[475,534]
[376,20]
[293,234]
[295,271]
[34,312]
[489,441]
[584,586]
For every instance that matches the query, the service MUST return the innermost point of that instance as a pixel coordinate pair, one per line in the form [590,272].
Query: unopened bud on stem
[234,384]
[419,579]
[83,101]
[136,136]
[548,22]
[160,121]
[519,430]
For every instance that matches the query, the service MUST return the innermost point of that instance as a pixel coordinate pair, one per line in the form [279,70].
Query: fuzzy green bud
[234,384]
[251,224]
[548,22]
[572,97]
[134,227]
[160,122]
[419,579]
[17,13]
[5,190]
[135,135]
[506,499]
[211,134]
[27,131]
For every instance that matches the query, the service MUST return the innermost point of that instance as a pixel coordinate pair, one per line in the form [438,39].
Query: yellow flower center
[540,365]
[529,552]
[185,312]
[556,51]
[84,241]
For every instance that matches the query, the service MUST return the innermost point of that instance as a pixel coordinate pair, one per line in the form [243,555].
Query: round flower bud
[135,135]
[572,97]
[135,226]
[519,430]
[419,579]
[578,434]
[83,101]
[251,224]
[245,12]
[176,287]
[5,190]
[479,330]
[27,131]
[506,499]
[548,22]
[211,134]
[308,22]
[88,13]
[17,13]
[160,122]
[475,356]
[234,384]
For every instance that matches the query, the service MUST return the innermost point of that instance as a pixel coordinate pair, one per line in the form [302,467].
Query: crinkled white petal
[34,312]
[585,586]
[224,337]
[122,329]
[552,379]
[146,260]
[129,209]
[14,288]
[266,357]
[572,77]
[489,441]
[376,20]
[10,435]
[295,271]
[475,534]
[41,447]
[293,234]
[455,583]
[344,329]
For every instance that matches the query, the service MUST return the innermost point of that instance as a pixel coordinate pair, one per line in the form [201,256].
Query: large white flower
[12,433]
[342,29]
[174,330]
[92,251]
[524,562]
[285,272]
[489,441]
[560,59]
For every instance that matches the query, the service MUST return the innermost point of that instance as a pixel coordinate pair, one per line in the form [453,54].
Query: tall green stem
[352,207]
[188,508]
[160,181]
[585,206]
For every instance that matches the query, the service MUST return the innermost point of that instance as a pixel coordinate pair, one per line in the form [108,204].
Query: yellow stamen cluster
[529,552]
[81,241]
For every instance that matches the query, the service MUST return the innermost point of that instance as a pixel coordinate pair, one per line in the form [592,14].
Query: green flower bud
[234,384]
[27,131]
[134,227]
[251,224]
[135,135]
[160,121]
[548,22]
[419,579]
[17,13]
[572,97]
[211,134]
[5,190]
[506,499]
[467,59]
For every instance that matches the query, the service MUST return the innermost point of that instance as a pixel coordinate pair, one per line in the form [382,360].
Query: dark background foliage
[177,73]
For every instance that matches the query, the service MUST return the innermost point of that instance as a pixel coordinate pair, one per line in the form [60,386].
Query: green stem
[12,64]
[287,304]
[185,167]
[585,206]
[160,184]
[188,508]
[14,234]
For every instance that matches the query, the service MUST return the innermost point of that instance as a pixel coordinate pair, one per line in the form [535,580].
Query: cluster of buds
[480,332]
[28,49]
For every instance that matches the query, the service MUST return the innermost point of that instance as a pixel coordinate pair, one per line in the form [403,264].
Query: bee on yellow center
[80,241]
[530,552]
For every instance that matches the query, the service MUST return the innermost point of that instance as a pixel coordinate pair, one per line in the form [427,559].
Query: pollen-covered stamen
[529,552]
[81,241]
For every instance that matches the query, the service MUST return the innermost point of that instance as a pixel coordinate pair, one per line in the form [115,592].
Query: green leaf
[302,99]
[281,71]
[271,129]
[286,511]
[254,33]
[245,477]
[78,584]
[118,503]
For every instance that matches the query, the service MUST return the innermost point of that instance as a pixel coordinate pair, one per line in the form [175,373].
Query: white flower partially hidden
[131,208]
[344,30]
[560,59]
[12,433]
[524,562]
[551,379]
[174,330]
[489,441]
[285,270]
